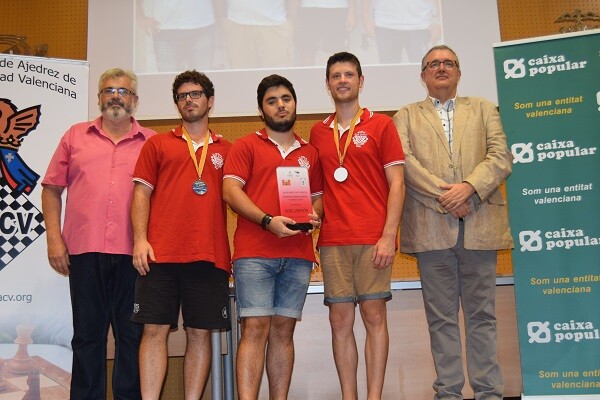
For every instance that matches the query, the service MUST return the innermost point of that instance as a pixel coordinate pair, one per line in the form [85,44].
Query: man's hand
[461,211]
[315,221]
[384,252]
[278,227]
[142,251]
[455,196]
[58,256]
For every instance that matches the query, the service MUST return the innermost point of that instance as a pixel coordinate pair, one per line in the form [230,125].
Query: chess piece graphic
[3,383]
[22,363]
[33,382]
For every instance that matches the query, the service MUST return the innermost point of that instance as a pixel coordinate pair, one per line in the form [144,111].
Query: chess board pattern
[21,223]
[43,381]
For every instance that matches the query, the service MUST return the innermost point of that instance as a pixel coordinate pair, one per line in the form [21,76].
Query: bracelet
[266,221]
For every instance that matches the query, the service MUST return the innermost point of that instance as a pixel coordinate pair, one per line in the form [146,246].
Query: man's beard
[193,117]
[282,126]
[117,113]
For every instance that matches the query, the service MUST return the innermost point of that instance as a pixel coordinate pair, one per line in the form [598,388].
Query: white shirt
[324,3]
[405,14]
[257,12]
[180,14]
[446,113]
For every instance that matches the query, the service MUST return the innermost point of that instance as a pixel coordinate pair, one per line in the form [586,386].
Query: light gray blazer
[481,158]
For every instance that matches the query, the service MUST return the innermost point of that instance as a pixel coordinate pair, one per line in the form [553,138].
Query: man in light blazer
[455,220]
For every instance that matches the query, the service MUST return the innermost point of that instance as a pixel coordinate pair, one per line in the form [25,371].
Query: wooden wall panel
[62,25]
[525,19]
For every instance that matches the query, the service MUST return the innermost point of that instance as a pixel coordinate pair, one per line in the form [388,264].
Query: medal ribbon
[199,165]
[336,135]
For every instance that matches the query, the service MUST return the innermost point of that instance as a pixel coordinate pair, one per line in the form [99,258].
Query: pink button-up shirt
[97,174]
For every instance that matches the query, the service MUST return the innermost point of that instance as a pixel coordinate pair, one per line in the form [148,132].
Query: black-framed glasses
[435,64]
[194,94]
[110,91]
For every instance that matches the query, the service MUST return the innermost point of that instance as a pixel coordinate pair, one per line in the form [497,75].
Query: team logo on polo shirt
[360,138]
[303,162]
[217,160]
[20,221]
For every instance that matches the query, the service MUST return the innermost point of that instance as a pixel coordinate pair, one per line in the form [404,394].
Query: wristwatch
[266,221]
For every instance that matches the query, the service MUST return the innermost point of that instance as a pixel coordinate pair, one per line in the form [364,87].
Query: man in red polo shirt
[363,193]
[272,260]
[181,250]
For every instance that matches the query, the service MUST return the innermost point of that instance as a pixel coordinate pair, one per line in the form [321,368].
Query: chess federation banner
[549,95]
[40,99]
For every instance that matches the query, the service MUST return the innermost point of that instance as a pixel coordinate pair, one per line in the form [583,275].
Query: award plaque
[294,196]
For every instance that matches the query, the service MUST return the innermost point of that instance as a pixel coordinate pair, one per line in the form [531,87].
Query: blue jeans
[271,286]
[102,291]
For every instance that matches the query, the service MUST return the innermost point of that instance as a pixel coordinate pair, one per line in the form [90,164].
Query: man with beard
[272,259]
[94,161]
[181,250]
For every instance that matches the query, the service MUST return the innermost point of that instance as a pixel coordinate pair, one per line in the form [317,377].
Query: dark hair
[273,81]
[196,77]
[439,47]
[343,56]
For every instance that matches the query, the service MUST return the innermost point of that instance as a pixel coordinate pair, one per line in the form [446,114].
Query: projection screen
[238,42]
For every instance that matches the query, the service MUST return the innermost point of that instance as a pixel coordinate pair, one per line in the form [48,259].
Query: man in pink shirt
[95,161]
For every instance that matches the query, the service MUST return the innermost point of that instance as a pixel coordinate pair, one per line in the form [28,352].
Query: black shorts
[201,289]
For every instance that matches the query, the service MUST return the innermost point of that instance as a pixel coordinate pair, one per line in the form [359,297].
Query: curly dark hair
[196,77]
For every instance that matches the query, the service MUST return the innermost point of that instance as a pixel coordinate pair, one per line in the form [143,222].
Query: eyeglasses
[110,91]
[435,64]
[194,94]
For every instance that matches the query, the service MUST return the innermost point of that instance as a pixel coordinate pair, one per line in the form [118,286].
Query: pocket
[496,198]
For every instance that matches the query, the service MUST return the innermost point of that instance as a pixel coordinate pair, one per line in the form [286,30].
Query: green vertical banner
[549,96]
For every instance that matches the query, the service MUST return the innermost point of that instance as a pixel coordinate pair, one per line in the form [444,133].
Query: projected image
[174,35]
[239,42]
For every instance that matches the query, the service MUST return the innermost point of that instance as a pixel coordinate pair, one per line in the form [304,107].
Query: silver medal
[340,174]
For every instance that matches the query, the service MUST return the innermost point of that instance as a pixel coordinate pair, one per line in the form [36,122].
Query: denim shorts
[271,286]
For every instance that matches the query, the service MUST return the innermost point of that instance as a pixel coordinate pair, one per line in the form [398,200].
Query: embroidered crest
[303,162]
[360,138]
[217,160]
